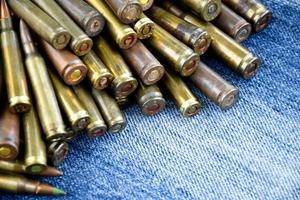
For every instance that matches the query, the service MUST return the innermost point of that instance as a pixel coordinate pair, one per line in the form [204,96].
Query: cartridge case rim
[249,66]
[35,164]
[60,152]
[121,83]
[187,106]
[140,27]
[126,38]
[80,120]
[262,21]
[152,73]
[96,128]
[19,104]
[59,136]
[122,101]
[130,13]
[188,64]
[116,125]
[243,31]
[228,98]
[56,134]
[82,45]
[206,9]
[73,67]
[201,43]
[36,168]
[8,151]
[89,24]
[146,4]
[60,39]
[101,81]
[147,103]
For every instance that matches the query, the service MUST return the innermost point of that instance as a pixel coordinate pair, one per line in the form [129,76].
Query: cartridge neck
[29,48]
[6,24]
[28,186]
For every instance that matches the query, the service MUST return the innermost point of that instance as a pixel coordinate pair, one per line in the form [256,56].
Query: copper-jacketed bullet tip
[44,189]
[51,171]
[4,10]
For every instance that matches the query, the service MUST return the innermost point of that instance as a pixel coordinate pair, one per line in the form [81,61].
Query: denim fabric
[251,151]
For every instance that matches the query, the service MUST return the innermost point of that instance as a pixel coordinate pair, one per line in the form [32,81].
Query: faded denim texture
[249,152]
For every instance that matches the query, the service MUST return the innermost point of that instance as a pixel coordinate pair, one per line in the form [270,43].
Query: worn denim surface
[249,152]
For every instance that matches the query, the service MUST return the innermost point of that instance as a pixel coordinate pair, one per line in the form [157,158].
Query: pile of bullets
[71,66]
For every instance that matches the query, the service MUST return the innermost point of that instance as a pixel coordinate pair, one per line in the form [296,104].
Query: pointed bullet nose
[45,189]
[26,39]
[22,27]
[51,171]
[24,32]
[58,192]
[4,10]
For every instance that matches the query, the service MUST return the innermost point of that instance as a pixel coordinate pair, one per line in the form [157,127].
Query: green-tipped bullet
[58,192]
[20,184]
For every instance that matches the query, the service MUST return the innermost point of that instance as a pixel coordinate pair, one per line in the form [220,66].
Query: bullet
[122,34]
[14,74]
[19,167]
[237,57]
[179,56]
[69,66]
[42,24]
[57,152]
[253,11]
[9,134]
[123,82]
[98,74]
[80,44]
[127,11]
[89,19]
[145,65]
[35,149]
[146,4]
[207,10]
[150,99]
[97,127]
[43,91]
[71,105]
[233,24]
[50,171]
[217,89]
[183,97]
[19,184]
[191,35]
[110,111]
[144,27]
